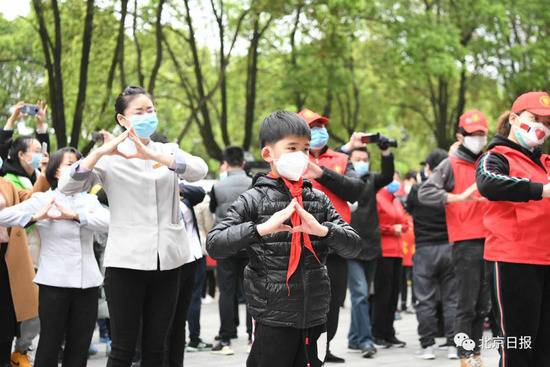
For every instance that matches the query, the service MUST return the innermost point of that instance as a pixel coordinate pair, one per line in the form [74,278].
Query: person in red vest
[332,173]
[514,176]
[393,224]
[452,185]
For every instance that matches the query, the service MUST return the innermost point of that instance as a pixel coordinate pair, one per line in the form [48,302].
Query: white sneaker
[426,353]
[452,353]
[207,300]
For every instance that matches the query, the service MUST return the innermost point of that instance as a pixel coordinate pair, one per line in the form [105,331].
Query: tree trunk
[83,82]
[141,77]
[223,65]
[158,59]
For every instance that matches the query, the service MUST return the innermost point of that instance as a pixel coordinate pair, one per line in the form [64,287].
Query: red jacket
[517,231]
[464,219]
[390,212]
[337,162]
[408,242]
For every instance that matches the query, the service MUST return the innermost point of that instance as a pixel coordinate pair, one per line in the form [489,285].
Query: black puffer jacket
[265,276]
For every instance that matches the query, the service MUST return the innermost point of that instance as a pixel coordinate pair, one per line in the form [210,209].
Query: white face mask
[475,144]
[531,134]
[292,165]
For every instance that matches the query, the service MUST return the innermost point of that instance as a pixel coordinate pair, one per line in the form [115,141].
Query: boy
[287,229]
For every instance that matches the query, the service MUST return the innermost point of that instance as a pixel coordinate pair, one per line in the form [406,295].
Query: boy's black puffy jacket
[265,276]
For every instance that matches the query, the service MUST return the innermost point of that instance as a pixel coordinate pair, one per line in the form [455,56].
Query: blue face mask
[393,187]
[223,175]
[144,125]
[35,160]
[319,137]
[361,168]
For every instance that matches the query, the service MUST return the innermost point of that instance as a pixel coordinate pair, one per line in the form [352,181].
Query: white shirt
[66,253]
[146,227]
[195,249]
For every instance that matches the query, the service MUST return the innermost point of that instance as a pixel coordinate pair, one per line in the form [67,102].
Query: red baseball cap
[312,117]
[472,121]
[534,102]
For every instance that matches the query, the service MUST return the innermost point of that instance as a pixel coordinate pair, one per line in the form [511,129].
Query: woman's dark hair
[234,156]
[21,144]
[503,124]
[280,124]
[128,95]
[55,161]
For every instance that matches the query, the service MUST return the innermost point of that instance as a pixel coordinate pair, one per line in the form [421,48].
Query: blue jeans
[194,313]
[360,333]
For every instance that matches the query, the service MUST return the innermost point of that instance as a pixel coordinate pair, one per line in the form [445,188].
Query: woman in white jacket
[147,242]
[68,275]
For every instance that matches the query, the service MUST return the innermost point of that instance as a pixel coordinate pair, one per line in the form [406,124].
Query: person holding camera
[364,219]
[514,176]
[332,173]
[453,186]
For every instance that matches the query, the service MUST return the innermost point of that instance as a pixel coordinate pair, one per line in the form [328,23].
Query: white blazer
[66,253]
[146,229]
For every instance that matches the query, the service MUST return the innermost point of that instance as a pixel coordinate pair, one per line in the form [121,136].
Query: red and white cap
[537,103]
[472,121]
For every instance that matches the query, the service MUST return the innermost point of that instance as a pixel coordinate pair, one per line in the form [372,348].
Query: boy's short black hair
[234,156]
[280,124]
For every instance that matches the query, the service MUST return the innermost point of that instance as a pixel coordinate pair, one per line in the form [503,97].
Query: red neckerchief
[295,188]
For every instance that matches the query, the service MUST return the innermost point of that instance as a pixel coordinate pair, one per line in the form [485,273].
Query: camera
[382,141]
[98,137]
[30,109]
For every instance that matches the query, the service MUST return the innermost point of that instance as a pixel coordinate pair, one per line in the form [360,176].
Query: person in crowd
[233,182]
[18,293]
[514,176]
[365,222]
[68,275]
[286,282]
[332,173]
[203,222]
[391,215]
[409,248]
[452,185]
[6,133]
[433,272]
[191,195]
[147,241]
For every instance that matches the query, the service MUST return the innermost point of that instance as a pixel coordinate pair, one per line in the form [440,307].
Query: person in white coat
[68,275]
[147,241]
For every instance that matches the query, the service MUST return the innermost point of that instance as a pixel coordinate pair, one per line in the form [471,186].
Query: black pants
[473,292]
[209,286]
[230,274]
[65,314]
[284,347]
[138,294]
[386,293]
[521,296]
[8,330]
[337,268]
[434,280]
[406,276]
[194,313]
[176,338]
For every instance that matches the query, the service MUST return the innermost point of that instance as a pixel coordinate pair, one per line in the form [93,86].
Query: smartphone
[370,138]
[30,109]
[97,137]
[44,148]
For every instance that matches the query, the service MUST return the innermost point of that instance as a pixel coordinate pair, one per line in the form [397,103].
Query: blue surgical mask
[35,160]
[361,168]
[393,187]
[223,175]
[319,137]
[144,125]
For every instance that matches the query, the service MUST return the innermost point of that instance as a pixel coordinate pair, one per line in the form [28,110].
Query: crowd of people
[128,240]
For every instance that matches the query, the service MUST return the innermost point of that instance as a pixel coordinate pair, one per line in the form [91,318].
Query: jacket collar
[261,179]
[533,155]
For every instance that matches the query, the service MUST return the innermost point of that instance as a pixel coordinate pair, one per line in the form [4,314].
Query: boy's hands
[276,224]
[309,225]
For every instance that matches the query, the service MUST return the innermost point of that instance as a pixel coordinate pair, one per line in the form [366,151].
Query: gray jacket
[226,191]
[434,192]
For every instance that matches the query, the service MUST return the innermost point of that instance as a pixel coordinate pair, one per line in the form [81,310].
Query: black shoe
[223,348]
[396,342]
[354,347]
[369,351]
[381,343]
[331,358]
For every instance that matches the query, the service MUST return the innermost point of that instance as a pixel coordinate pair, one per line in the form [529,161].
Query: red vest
[390,212]
[464,219]
[337,162]
[517,231]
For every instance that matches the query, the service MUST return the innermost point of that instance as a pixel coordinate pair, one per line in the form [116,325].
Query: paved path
[404,357]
